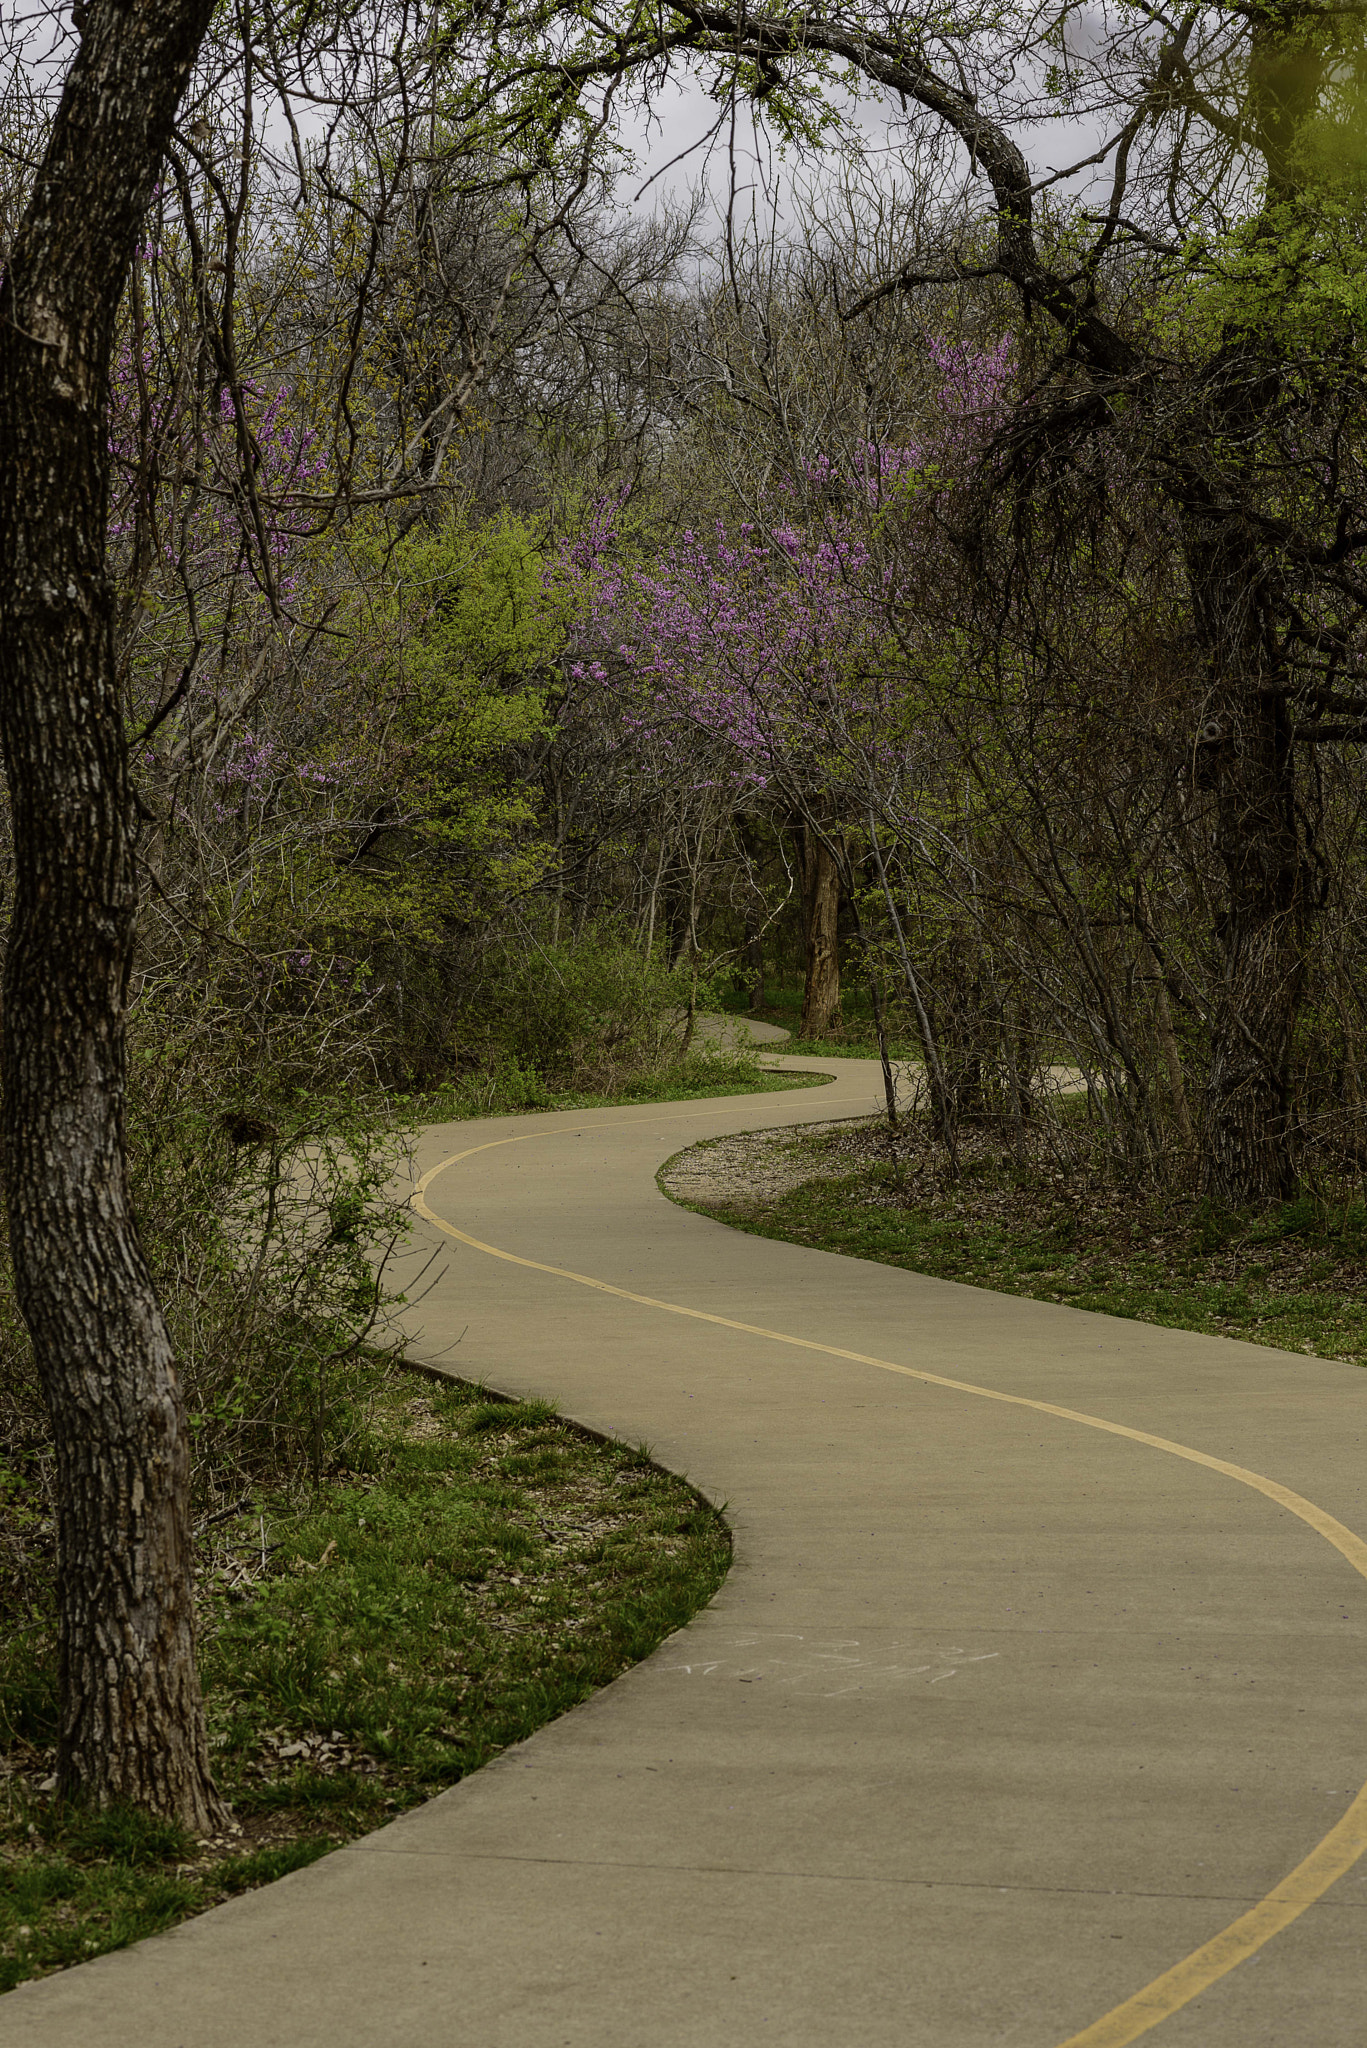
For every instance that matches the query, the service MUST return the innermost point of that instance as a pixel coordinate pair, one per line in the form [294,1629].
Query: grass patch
[1293,1276]
[484,1569]
[846,1042]
[509,1090]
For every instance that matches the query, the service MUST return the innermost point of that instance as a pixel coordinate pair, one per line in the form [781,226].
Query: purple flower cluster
[184,474]
[774,643]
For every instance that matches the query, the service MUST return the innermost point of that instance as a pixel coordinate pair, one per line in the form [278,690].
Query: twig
[239,1507]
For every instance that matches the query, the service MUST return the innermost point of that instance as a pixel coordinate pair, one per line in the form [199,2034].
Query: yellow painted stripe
[1310,1880]
[1336,1853]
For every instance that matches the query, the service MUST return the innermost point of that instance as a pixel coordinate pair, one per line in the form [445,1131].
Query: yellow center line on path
[1336,1853]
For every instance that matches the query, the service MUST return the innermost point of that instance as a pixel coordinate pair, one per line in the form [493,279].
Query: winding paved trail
[1003,1714]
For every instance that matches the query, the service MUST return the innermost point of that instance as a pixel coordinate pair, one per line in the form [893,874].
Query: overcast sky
[682,146]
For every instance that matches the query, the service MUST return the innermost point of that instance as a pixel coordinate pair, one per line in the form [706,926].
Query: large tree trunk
[1244,759]
[131,1718]
[820,921]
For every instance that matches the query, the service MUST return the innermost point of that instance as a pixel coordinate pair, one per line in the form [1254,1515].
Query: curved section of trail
[1031,1713]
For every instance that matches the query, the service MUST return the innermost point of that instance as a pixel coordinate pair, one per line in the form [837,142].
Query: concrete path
[1000,1716]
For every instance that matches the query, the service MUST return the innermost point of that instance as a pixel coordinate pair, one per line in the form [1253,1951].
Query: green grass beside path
[482,1568]
[709,1070]
[1293,1276]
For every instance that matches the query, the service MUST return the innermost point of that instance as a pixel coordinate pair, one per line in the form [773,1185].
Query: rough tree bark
[131,1719]
[820,919]
[1244,759]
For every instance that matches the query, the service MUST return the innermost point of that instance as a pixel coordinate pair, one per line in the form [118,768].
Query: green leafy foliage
[461,628]
[1292,282]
